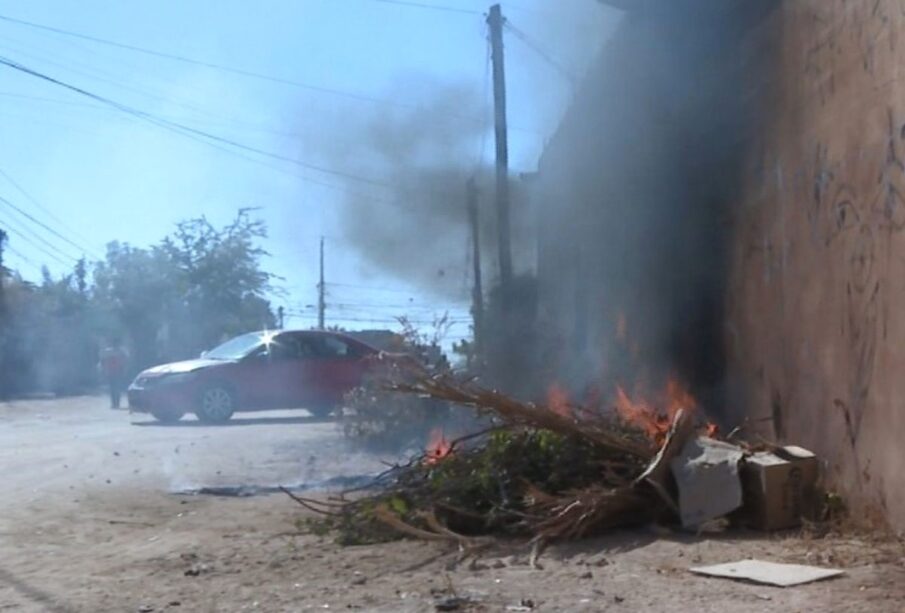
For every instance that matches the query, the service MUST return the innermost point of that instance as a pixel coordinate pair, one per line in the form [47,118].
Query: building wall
[815,335]
[732,186]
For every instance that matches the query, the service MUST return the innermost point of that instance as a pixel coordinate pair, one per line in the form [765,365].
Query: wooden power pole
[3,238]
[3,367]
[477,292]
[321,291]
[496,21]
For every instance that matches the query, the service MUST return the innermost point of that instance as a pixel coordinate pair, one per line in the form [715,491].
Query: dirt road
[89,522]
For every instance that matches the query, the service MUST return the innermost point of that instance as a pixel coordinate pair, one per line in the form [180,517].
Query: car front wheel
[216,405]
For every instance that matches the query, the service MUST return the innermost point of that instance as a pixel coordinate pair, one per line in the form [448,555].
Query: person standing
[113,365]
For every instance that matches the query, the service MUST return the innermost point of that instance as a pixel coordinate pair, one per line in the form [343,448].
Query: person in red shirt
[113,366]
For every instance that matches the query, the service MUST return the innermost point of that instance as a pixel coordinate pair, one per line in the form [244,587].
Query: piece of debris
[450,603]
[769,573]
[780,487]
[707,474]
[196,570]
[340,482]
[598,561]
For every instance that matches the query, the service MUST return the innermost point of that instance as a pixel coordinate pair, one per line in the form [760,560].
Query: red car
[255,372]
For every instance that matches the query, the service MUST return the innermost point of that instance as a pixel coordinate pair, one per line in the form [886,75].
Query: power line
[30,241]
[87,105]
[227,120]
[41,207]
[374,320]
[344,189]
[22,257]
[104,77]
[183,129]
[29,236]
[436,7]
[450,311]
[420,307]
[240,71]
[373,288]
[49,254]
[41,224]
[538,48]
[229,123]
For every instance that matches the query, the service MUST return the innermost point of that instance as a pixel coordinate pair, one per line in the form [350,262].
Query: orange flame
[438,447]
[558,400]
[677,397]
[639,414]
[652,422]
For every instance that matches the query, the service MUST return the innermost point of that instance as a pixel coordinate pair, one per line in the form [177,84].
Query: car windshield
[236,348]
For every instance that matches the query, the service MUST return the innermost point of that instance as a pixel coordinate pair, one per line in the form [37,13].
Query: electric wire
[184,130]
[538,48]
[21,256]
[435,7]
[38,222]
[31,242]
[28,196]
[238,71]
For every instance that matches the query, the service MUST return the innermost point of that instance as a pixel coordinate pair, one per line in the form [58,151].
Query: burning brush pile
[546,472]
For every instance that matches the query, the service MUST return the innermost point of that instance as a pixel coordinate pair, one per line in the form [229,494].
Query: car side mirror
[260,356]
[203,354]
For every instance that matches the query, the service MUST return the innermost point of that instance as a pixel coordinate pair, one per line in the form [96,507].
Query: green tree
[169,301]
[221,284]
[198,286]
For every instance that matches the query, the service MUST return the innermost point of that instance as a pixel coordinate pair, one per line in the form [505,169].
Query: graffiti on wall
[855,221]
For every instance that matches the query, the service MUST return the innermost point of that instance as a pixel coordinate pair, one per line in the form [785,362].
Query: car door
[255,380]
[268,377]
[289,369]
[336,368]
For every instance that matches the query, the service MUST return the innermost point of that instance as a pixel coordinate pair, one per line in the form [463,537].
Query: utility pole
[496,21]
[281,314]
[3,369]
[3,238]
[477,292]
[321,290]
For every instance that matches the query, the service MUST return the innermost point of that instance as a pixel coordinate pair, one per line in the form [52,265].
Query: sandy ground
[89,522]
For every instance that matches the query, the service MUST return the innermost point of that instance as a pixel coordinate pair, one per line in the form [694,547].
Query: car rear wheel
[167,417]
[216,405]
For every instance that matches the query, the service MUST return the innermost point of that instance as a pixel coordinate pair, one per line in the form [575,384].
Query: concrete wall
[815,331]
[734,184]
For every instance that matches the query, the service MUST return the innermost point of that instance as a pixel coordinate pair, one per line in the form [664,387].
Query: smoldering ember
[442,305]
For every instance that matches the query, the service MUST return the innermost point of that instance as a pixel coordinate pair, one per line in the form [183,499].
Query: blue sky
[94,175]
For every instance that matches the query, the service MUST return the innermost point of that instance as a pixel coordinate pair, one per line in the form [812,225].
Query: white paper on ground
[769,573]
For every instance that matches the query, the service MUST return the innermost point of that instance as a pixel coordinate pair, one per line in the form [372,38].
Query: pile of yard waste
[565,471]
